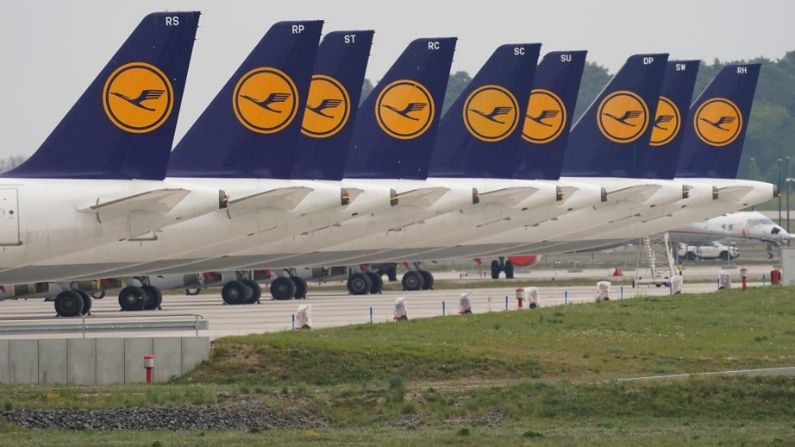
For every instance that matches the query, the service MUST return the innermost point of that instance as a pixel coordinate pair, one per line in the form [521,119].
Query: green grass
[541,377]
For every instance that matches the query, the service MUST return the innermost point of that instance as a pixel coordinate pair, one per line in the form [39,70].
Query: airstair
[658,276]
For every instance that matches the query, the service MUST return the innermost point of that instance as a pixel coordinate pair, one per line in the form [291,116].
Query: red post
[149,365]
[744,277]
[519,298]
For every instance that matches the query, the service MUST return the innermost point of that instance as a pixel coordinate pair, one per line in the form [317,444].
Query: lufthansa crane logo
[545,118]
[404,109]
[265,100]
[718,122]
[138,97]
[327,108]
[666,124]
[491,113]
[622,117]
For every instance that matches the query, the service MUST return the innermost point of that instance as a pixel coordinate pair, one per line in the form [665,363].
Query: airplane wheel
[132,298]
[193,292]
[86,302]
[391,273]
[377,282]
[155,297]
[235,292]
[98,294]
[68,304]
[359,284]
[256,289]
[508,269]
[427,280]
[412,280]
[301,287]
[495,269]
[282,288]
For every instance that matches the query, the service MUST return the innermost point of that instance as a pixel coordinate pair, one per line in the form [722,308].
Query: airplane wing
[635,193]
[421,197]
[156,201]
[507,196]
[285,198]
[733,193]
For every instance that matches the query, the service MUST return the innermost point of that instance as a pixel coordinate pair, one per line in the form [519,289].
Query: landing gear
[508,270]
[359,284]
[155,297]
[427,280]
[495,269]
[412,280]
[283,288]
[86,310]
[236,292]
[501,265]
[391,273]
[68,303]
[301,287]
[133,298]
[376,281]
[193,291]
[255,289]
[98,294]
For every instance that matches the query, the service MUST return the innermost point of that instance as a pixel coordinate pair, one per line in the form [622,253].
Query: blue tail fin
[332,105]
[670,120]
[252,126]
[611,138]
[122,127]
[713,141]
[548,116]
[396,128]
[479,134]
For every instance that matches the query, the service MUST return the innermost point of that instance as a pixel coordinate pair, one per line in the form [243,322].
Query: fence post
[371,314]
[444,310]
[565,296]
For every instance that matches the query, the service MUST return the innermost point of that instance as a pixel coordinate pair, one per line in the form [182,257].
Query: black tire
[301,287]
[427,280]
[132,298]
[391,273]
[412,281]
[359,284]
[377,282]
[282,288]
[235,292]
[68,304]
[508,269]
[87,302]
[256,291]
[724,255]
[155,297]
[495,269]
[193,292]
[98,294]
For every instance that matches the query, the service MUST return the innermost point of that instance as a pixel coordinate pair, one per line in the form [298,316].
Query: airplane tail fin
[122,127]
[479,134]
[670,121]
[396,128]
[250,128]
[548,116]
[611,138]
[332,105]
[713,141]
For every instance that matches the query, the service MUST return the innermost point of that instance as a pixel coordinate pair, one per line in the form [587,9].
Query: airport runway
[328,309]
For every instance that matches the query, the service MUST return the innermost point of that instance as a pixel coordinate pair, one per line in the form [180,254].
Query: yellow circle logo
[622,117]
[666,123]
[404,109]
[138,97]
[491,113]
[718,122]
[546,117]
[265,100]
[327,108]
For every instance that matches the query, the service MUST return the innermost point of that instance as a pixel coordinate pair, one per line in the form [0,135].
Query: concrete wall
[98,361]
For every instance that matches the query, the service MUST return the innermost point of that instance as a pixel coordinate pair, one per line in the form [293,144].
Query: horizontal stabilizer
[567,192]
[157,201]
[352,193]
[635,193]
[280,198]
[507,196]
[422,197]
[734,193]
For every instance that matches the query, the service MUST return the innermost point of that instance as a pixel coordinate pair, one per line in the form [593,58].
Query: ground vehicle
[712,250]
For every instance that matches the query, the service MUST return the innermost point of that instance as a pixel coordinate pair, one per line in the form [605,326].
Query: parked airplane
[742,225]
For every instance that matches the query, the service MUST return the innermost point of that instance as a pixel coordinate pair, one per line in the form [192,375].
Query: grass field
[543,377]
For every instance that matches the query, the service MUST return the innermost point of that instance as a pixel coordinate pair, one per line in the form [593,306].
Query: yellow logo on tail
[622,117]
[265,100]
[404,109]
[327,108]
[667,123]
[491,113]
[545,117]
[138,97]
[718,122]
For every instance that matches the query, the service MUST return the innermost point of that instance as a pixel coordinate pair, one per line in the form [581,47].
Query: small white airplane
[742,225]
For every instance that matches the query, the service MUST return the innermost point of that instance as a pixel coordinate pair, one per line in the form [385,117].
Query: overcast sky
[51,50]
